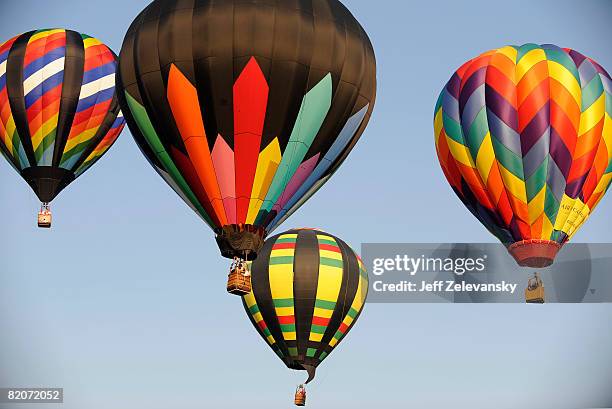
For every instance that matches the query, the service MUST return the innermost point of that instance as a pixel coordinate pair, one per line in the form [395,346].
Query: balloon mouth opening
[240,240]
[534,253]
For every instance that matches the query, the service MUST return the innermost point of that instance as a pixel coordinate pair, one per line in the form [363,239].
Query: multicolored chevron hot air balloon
[309,288]
[246,108]
[58,109]
[524,137]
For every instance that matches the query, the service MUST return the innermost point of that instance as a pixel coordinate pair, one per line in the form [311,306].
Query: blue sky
[122,303]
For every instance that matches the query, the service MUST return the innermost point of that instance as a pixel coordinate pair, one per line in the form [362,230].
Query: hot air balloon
[524,137]
[58,108]
[309,288]
[246,108]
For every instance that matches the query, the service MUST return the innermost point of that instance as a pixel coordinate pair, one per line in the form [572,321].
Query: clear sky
[123,303]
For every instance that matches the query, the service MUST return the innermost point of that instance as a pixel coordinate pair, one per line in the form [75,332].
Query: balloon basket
[534,293]
[534,253]
[44,216]
[239,279]
[300,398]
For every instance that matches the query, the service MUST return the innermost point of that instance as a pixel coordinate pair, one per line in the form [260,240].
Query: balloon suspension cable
[45,207]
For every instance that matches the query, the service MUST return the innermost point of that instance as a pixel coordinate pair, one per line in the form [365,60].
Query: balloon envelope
[309,288]
[58,108]
[246,108]
[524,137]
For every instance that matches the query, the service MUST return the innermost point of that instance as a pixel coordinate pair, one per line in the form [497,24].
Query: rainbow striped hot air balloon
[58,108]
[524,137]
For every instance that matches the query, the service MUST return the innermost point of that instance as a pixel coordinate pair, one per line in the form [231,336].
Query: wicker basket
[44,220]
[238,283]
[300,399]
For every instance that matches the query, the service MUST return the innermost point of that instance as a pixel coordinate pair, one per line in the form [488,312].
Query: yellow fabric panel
[283,253]
[281,281]
[513,184]
[460,153]
[284,311]
[90,42]
[10,131]
[590,118]
[528,61]
[330,254]
[47,127]
[323,313]
[509,52]
[566,78]
[82,137]
[547,228]
[485,158]
[572,213]
[607,134]
[249,299]
[536,206]
[315,337]
[267,163]
[603,183]
[438,125]
[44,34]
[330,279]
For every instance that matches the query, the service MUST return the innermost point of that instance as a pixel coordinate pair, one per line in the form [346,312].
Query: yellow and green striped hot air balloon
[309,288]
[524,137]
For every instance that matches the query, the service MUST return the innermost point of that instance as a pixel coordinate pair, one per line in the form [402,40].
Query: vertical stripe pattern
[58,109]
[305,279]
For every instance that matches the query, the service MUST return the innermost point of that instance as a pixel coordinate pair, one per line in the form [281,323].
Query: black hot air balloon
[309,288]
[246,108]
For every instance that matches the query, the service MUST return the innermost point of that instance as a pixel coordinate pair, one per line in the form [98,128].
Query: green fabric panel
[591,92]
[331,262]
[47,141]
[287,327]
[561,57]
[478,131]
[508,159]
[283,302]
[293,351]
[148,131]
[315,106]
[323,355]
[536,182]
[254,309]
[77,150]
[311,352]
[286,240]
[524,49]
[318,329]
[453,129]
[551,206]
[331,242]
[353,313]
[281,260]
[326,305]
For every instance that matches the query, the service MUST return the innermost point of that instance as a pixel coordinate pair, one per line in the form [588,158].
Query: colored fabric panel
[522,135]
[58,110]
[309,289]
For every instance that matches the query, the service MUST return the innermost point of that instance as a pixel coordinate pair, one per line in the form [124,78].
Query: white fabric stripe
[3,68]
[41,75]
[98,85]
